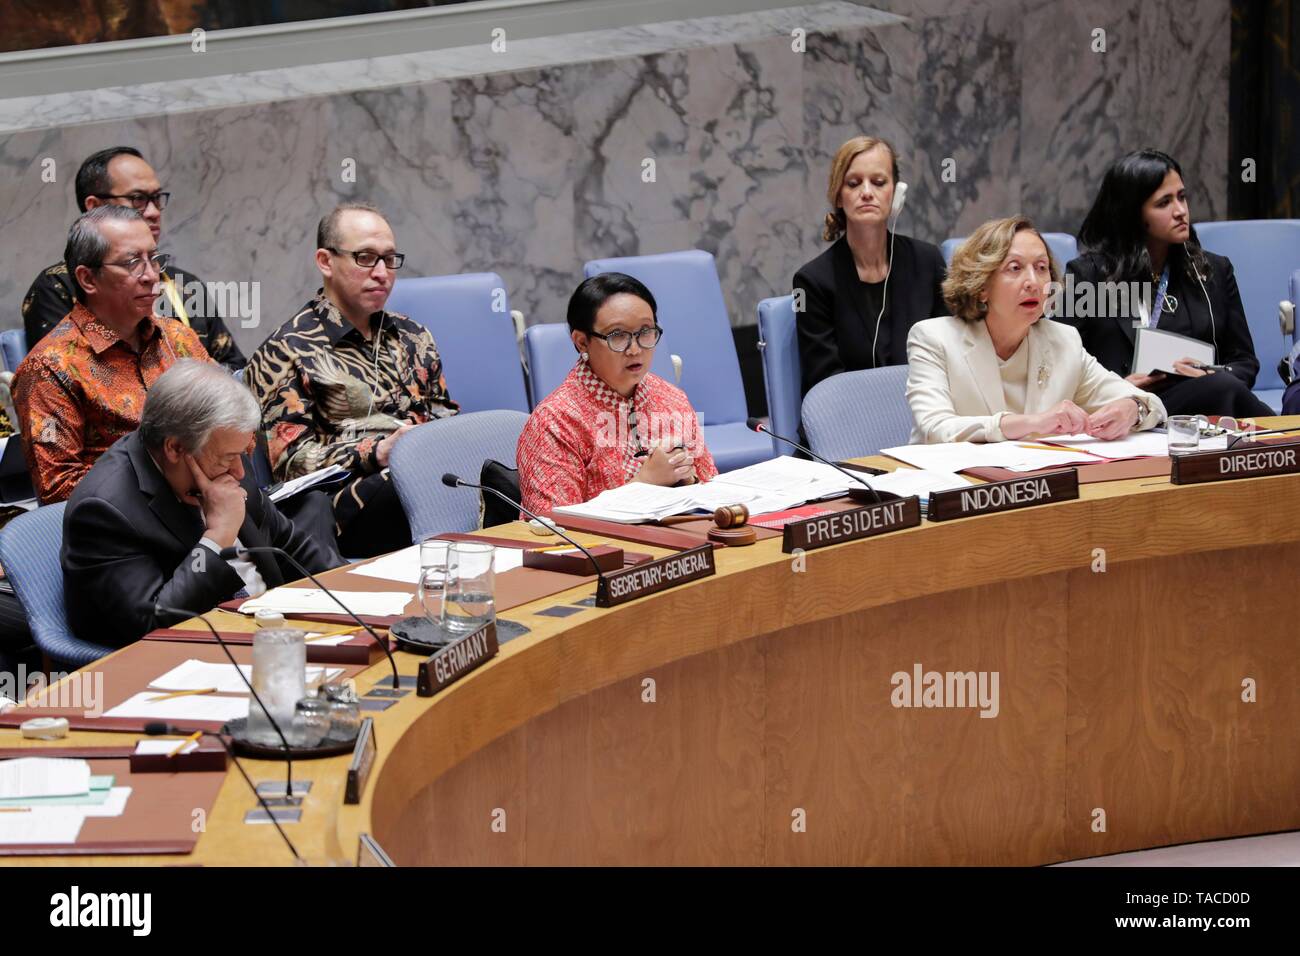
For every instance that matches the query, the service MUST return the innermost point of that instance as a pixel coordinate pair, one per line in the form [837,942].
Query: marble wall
[530,171]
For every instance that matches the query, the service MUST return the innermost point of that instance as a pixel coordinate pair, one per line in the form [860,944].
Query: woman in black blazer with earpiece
[868,273]
[1138,227]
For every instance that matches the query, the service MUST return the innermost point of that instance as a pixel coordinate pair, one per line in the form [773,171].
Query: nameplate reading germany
[864,522]
[1249,461]
[1004,495]
[457,659]
[627,585]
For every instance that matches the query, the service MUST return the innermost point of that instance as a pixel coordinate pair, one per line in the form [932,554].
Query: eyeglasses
[620,341]
[136,264]
[140,201]
[368,260]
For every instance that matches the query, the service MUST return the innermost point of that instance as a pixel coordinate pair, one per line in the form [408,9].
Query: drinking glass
[469,600]
[311,722]
[280,679]
[1184,434]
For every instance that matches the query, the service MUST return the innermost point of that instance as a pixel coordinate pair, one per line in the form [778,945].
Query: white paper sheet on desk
[35,777]
[114,806]
[956,456]
[42,825]
[198,675]
[404,565]
[288,601]
[162,748]
[192,707]
[1148,444]
[905,482]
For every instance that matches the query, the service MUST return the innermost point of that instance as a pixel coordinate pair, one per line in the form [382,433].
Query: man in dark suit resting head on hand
[147,525]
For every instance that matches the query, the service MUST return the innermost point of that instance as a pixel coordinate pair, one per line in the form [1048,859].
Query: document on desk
[190,707]
[35,777]
[294,485]
[1155,350]
[772,485]
[1148,444]
[41,825]
[197,675]
[1013,455]
[404,565]
[289,601]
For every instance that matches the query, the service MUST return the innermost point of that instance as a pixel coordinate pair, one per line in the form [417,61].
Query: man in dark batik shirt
[120,177]
[343,380]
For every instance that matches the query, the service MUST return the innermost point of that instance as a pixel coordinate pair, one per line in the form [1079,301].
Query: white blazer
[954,384]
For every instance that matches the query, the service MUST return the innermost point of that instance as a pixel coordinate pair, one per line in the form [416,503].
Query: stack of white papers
[404,565]
[290,601]
[36,777]
[952,457]
[773,485]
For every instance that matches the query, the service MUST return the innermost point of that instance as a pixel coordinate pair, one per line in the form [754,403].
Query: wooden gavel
[730,525]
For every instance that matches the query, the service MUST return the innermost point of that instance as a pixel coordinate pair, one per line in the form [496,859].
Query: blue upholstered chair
[460,445]
[551,355]
[469,316]
[1061,244]
[778,343]
[29,551]
[694,318]
[13,348]
[858,413]
[1264,253]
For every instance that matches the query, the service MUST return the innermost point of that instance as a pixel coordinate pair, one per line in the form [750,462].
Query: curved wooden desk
[771,737]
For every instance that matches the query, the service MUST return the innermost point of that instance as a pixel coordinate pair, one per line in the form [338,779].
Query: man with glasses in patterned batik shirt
[83,386]
[120,177]
[343,380]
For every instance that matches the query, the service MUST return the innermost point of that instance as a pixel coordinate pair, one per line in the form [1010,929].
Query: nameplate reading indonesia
[1004,495]
[1250,461]
[457,659]
[865,522]
[632,583]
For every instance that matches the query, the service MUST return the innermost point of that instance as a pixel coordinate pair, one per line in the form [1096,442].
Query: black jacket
[129,542]
[836,327]
[52,296]
[1110,337]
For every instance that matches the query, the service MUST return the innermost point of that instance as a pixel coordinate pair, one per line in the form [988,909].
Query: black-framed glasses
[620,341]
[140,201]
[136,264]
[368,260]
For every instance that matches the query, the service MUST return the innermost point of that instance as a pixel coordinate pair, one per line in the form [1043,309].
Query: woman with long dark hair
[1139,231]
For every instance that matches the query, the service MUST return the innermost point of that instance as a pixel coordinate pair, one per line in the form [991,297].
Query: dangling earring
[584,356]
[983,306]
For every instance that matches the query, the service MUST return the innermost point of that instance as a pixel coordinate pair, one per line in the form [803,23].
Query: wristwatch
[1144,409]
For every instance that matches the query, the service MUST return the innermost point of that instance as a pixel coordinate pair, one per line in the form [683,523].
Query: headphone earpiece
[900,197]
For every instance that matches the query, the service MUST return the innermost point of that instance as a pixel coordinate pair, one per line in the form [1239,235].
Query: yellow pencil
[15,809]
[182,693]
[186,742]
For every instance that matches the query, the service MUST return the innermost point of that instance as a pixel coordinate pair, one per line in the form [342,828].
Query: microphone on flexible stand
[157,728]
[857,494]
[284,742]
[454,481]
[241,552]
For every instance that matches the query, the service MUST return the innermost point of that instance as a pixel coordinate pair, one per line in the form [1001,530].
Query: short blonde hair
[844,157]
[981,255]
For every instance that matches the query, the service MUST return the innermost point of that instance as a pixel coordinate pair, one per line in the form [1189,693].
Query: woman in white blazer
[996,369]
